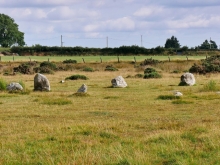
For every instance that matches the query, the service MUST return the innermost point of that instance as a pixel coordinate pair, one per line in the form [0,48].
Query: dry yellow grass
[110,125]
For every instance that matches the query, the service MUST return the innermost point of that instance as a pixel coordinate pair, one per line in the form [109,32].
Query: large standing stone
[187,79]
[82,89]
[41,83]
[119,82]
[14,87]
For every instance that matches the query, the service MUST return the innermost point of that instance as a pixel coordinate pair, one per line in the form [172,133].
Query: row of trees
[174,43]
[122,50]
[10,35]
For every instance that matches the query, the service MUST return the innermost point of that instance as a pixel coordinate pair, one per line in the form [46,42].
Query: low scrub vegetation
[3,84]
[77,77]
[151,73]
[110,68]
[209,65]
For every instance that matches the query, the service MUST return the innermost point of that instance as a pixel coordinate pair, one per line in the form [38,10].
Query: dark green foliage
[43,70]
[149,61]
[168,97]
[25,68]
[208,45]
[151,73]
[77,77]
[110,68]
[209,65]
[88,69]
[9,33]
[172,43]
[183,84]
[46,67]
[70,61]
[149,70]
[49,65]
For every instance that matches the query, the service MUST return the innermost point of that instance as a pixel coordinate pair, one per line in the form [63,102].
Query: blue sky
[113,23]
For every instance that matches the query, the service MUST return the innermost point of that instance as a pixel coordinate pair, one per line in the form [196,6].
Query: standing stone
[119,82]
[41,83]
[82,89]
[187,79]
[14,87]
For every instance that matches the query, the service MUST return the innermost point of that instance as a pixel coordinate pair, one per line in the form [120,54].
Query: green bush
[3,84]
[152,75]
[209,65]
[77,77]
[149,70]
[88,69]
[110,68]
[49,65]
[70,61]
[43,70]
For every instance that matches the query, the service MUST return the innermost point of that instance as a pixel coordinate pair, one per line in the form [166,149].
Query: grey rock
[177,93]
[41,83]
[119,82]
[82,89]
[187,79]
[14,87]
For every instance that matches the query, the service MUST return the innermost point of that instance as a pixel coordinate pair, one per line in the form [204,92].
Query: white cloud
[148,11]
[120,24]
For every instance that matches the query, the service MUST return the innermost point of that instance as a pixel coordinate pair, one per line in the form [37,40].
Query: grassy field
[117,126]
[89,59]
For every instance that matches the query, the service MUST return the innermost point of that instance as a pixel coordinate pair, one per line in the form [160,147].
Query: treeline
[123,50]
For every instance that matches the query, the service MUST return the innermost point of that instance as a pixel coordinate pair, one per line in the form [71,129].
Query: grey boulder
[14,87]
[41,83]
[187,79]
[119,82]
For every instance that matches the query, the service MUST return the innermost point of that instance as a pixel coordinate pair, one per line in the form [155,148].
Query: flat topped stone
[14,87]
[119,82]
[41,83]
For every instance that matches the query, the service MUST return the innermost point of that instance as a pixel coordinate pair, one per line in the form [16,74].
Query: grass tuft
[210,86]
[182,102]
[168,97]
[58,101]
[77,77]
[3,84]
[80,94]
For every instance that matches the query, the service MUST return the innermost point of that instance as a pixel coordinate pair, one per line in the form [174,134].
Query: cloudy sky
[113,23]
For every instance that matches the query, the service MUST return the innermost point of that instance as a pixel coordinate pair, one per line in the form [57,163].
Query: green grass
[141,124]
[95,59]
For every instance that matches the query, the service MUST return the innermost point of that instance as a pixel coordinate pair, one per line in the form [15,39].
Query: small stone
[177,93]
[14,87]
[82,89]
